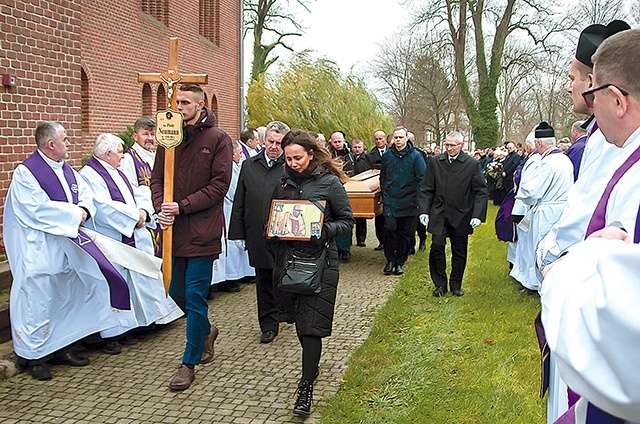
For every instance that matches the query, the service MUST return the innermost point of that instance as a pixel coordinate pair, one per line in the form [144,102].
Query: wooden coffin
[364,194]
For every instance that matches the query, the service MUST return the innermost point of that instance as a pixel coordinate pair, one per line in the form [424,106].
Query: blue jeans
[190,281]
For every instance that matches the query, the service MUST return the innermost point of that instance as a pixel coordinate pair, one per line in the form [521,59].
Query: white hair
[531,140]
[547,141]
[106,143]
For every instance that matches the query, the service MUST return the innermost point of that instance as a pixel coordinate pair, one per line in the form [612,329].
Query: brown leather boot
[207,352]
[183,378]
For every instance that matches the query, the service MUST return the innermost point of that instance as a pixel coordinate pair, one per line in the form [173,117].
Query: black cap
[544,130]
[592,36]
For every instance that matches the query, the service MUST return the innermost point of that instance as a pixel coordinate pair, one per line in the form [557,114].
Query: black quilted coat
[314,314]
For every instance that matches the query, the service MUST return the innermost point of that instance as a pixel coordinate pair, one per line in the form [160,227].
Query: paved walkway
[247,382]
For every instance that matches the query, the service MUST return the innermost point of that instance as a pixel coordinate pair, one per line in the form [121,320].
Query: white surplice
[58,294]
[233,263]
[545,192]
[595,173]
[592,322]
[114,219]
[520,208]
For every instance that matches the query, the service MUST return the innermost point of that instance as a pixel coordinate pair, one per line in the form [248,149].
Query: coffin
[364,194]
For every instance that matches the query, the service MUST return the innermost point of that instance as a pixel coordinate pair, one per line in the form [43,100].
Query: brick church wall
[77,62]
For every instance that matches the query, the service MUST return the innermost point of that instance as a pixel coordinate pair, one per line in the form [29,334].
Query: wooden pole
[171,77]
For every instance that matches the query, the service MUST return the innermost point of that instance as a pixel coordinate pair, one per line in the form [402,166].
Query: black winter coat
[251,207]
[314,314]
[455,192]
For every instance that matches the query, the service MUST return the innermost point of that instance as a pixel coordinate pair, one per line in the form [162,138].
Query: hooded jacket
[201,180]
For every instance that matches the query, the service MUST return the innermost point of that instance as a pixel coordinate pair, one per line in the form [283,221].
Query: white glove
[474,222]
[424,219]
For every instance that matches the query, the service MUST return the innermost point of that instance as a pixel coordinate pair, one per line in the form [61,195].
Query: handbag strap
[318,205]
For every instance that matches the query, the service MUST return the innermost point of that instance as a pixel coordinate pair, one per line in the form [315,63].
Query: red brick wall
[48,43]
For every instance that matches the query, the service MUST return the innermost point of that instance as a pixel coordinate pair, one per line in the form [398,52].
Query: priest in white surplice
[63,288]
[122,214]
[545,192]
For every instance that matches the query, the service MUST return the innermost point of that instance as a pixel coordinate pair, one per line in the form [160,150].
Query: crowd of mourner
[85,247]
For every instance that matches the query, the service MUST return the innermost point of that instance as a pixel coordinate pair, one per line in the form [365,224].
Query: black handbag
[302,272]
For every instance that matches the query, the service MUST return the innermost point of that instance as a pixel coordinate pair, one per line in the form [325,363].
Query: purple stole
[114,191]
[48,180]
[595,415]
[245,152]
[143,172]
[636,234]
[598,221]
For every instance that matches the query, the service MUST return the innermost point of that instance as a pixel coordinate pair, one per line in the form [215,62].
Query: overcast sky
[345,31]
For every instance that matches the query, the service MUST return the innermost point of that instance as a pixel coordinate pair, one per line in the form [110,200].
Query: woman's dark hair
[320,156]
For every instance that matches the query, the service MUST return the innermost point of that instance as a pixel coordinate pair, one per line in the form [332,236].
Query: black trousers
[361,230]
[267,309]
[438,261]
[379,224]
[422,232]
[398,242]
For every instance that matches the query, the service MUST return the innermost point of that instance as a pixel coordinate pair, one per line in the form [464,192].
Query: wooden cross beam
[170,77]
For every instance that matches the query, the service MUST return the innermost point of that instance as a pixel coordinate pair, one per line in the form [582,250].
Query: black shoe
[398,270]
[346,255]
[112,348]
[362,244]
[40,372]
[457,292]
[69,358]
[379,247]
[268,336]
[229,287]
[439,292]
[305,395]
[528,291]
[388,268]
[413,250]
[422,246]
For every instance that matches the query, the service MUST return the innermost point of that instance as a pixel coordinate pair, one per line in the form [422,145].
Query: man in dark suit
[453,201]
[360,164]
[509,166]
[258,177]
[375,159]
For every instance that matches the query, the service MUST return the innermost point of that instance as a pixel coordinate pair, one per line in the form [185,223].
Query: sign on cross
[169,135]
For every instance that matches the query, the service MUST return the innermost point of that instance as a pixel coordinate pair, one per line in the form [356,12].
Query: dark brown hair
[320,156]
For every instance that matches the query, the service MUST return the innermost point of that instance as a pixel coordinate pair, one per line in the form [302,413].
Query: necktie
[270,163]
[451,159]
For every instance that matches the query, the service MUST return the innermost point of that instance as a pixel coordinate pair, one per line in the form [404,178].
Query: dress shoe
[268,336]
[422,246]
[229,287]
[398,270]
[413,250]
[112,347]
[207,352]
[362,244]
[183,378]
[346,256]
[528,291]
[69,358]
[388,268]
[379,247]
[305,395]
[40,372]
[457,292]
[439,292]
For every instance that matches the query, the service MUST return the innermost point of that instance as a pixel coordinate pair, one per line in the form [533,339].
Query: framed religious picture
[295,219]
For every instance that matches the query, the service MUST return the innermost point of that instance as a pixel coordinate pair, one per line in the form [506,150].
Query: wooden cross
[170,77]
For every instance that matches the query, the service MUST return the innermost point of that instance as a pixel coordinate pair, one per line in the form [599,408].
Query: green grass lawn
[470,359]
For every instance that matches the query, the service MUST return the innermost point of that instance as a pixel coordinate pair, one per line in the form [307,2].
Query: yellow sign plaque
[169,128]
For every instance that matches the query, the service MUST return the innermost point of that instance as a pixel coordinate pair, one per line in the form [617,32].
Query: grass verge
[471,359]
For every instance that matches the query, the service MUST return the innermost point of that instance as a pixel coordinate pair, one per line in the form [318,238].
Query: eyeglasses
[450,146]
[589,96]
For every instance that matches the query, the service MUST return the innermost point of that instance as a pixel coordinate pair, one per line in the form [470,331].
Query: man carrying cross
[201,180]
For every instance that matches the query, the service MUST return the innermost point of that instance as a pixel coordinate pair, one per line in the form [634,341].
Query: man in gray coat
[453,201]
[258,177]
